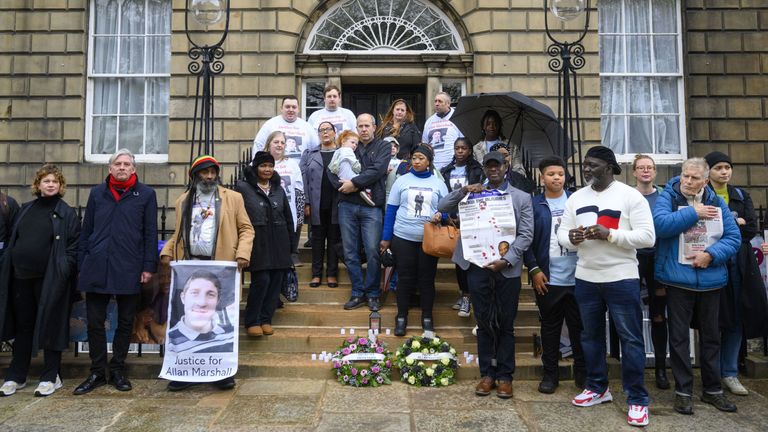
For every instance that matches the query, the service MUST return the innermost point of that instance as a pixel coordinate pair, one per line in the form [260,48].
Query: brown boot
[255,331]
[267,329]
[504,389]
[484,387]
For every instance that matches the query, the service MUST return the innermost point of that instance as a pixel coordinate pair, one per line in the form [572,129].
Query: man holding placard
[695,243]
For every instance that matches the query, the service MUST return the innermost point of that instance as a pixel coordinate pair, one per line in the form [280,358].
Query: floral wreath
[427,361]
[349,362]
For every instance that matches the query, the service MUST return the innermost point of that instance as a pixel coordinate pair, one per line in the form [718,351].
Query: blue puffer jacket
[670,218]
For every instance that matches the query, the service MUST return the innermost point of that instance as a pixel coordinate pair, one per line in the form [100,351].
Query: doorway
[376,99]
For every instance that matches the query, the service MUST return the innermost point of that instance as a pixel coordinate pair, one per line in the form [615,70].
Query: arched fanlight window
[393,26]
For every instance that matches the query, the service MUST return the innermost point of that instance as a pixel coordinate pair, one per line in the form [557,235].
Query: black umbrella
[527,123]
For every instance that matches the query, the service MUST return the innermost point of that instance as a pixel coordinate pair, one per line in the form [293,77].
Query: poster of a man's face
[200,298]
[503,248]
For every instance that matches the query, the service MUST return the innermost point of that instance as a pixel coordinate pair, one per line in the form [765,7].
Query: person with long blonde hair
[399,123]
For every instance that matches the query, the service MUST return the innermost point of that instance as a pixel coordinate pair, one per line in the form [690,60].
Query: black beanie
[426,150]
[606,154]
[262,157]
[715,157]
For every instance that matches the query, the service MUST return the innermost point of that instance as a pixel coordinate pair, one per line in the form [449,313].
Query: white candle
[343,331]
[314,357]
[387,332]
[351,331]
[466,354]
[477,360]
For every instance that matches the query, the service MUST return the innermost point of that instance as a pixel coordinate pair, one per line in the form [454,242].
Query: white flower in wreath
[421,364]
[411,379]
[405,375]
[430,371]
[425,351]
[452,351]
[445,381]
[409,360]
[431,350]
[436,341]
[352,347]
[445,360]
[415,345]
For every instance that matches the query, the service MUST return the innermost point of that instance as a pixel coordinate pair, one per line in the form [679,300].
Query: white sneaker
[637,415]
[734,386]
[46,388]
[10,387]
[588,398]
[474,331]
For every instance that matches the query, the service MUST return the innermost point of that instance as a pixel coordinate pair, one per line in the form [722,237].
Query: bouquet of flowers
[428,362]
[362,362]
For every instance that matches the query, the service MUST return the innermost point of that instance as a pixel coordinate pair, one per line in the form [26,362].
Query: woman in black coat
[270,214]
[37,280]
[399,123]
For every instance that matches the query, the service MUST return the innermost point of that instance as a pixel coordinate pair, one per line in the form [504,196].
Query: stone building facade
[53,80]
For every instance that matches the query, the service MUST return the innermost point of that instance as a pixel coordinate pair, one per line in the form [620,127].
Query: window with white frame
[641,78]
[128,79]
[314,99]
[455,89]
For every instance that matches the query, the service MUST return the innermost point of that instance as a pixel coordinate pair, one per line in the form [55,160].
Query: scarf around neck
[119,188]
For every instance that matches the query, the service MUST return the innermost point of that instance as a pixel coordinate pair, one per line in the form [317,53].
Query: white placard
[488,226]
[697,238]
[364,357]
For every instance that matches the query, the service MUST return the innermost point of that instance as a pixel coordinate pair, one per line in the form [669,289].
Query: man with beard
[211,224]
[606,222]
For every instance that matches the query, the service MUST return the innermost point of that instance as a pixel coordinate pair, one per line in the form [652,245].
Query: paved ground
[324,405]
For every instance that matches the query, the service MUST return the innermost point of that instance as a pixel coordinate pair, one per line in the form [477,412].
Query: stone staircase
[313,323]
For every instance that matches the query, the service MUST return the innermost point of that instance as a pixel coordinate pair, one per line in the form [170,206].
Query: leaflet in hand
[697,238]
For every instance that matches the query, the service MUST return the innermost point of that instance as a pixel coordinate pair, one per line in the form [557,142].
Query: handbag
[440,241]
[291,287]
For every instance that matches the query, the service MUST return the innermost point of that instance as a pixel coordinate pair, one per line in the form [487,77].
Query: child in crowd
[345,163]
[395,161]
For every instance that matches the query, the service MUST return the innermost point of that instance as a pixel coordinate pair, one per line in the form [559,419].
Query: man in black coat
[8,209]
[118,252]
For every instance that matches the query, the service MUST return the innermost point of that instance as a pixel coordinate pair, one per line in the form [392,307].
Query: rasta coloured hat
[202,162]
[606,154]
[715,157]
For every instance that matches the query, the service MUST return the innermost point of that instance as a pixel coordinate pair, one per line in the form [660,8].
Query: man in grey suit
[495,289]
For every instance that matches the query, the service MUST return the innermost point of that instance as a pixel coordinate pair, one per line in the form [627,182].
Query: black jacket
[8,210]
[52,321]
[374,159]
[272,222]
[751,303]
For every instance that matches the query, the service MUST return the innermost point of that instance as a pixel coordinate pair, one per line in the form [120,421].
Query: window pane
[610,17]
[612,95]
[105,96]
[666,54]
[454,89]
[158,54]
[667,129]
[131,55]
[638,54]
[613,133]
[105,57]
[637,17]
[640,135]
[158,17]
[639,91]
[665,95]
[132,134]
[664,16]
[157,135]
[106,16]
[132,17]
[158,94]
[611,54]
[104,135]
[132,96]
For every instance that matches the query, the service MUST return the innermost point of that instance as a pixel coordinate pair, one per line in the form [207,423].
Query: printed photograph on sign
[458,181]
[437,138]
[420,202]
[293,145]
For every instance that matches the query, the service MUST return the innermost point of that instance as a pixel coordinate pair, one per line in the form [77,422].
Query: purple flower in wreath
[351,339]
[353,371]
[345,378]
[363,341]
[375,369]
[345,362]
[379,350]
[364,372]
[353,347]
[379,379]
[336,365]
[364,381]
[388,364]
[346,351]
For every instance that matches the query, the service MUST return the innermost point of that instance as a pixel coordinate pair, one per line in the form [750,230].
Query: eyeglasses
[324,130]
[645,168]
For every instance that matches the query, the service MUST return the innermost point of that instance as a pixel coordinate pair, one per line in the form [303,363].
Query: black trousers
[558,305]
[25,296]
[263,295]
[96,311]
[657,308]
[682,306]
[461,279]
[415,273]
[326,239]
[495,300]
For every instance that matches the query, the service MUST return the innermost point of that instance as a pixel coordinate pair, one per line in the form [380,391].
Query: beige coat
[234,234]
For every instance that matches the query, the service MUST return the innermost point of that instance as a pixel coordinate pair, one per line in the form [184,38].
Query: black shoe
[683,404]
[373,304]
[426,324]
[93,381]
[718,401]
[661,379]
[580,379]
[120,382]
[226,383]
[280,304]
[547,385]
[175,386]
[308,243]
[354,303]
[400,324]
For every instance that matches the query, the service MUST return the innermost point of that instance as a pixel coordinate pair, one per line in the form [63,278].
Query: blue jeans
[622,299]
[361,223]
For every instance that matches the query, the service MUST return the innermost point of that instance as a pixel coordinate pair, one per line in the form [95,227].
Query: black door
[376,99]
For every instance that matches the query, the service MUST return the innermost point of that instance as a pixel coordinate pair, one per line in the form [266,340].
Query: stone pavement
[269,404]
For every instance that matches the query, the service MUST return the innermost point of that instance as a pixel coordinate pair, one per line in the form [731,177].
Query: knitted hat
[606,154]
[262,157]
[202,162]
[715,157]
